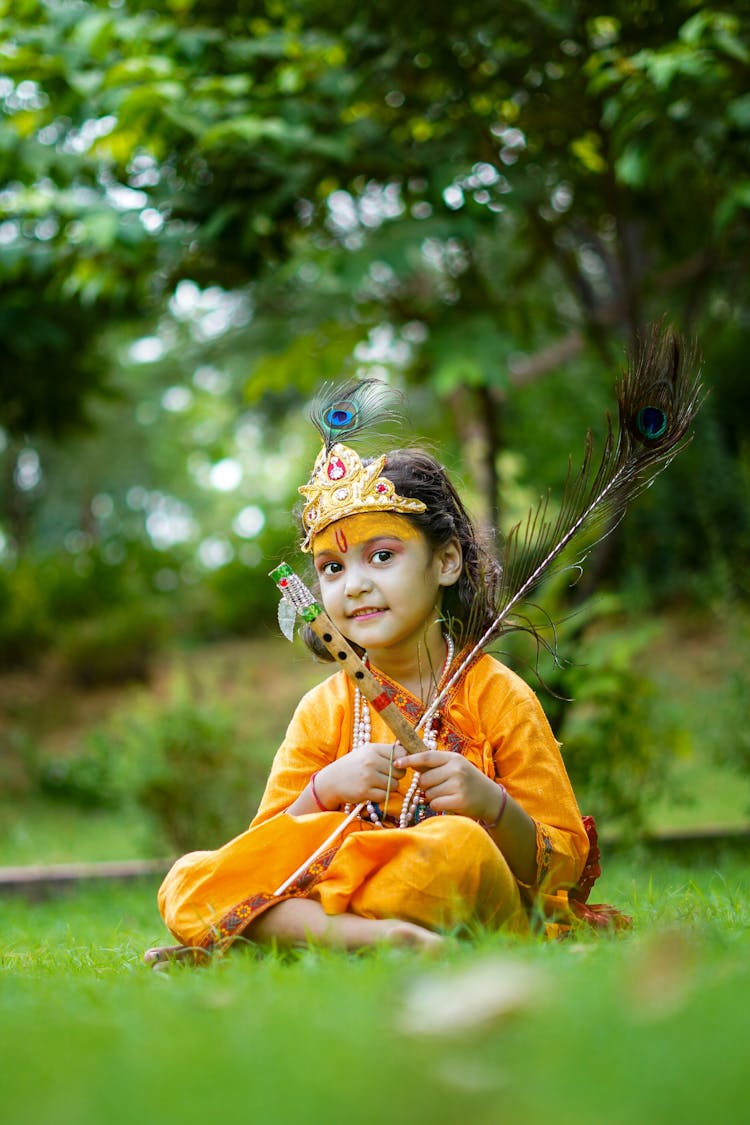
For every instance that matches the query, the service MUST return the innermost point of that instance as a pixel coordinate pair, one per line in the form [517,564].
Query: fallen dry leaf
[456,1000]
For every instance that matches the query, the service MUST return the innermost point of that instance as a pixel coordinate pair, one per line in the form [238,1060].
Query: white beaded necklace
[415,802]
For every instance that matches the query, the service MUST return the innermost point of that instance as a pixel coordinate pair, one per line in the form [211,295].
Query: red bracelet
[314,792]
[499,817]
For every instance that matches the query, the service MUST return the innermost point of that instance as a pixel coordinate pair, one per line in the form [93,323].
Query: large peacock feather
[658,397]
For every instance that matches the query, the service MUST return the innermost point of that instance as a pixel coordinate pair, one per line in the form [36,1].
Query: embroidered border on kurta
[449,736]
[543,853]
[240,916]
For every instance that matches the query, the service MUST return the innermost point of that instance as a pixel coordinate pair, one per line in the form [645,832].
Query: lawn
[650,1027]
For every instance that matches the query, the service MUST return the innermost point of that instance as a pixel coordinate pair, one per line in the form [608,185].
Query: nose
[357,581]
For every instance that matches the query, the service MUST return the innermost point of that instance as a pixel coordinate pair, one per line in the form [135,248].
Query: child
[481,826]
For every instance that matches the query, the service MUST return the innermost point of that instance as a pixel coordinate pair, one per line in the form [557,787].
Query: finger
[425,759]
[381,778]
[383,768]
[385,761]
[436,783]
[388,751]
[446,804]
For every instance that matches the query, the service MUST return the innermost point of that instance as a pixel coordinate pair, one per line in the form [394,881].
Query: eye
[382,555]
[328,569]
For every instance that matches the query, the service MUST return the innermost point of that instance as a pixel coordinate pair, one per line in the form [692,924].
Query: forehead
[353,531]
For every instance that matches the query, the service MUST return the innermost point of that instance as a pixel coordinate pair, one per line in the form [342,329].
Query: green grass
[52,831]
[650,1027]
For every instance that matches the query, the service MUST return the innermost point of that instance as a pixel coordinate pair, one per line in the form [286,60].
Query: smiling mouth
[369,611]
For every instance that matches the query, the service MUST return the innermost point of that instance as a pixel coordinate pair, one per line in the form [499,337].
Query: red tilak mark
[380,702]
[341,542]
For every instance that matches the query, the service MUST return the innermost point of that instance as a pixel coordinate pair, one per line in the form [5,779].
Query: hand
[452,784]
[361,775]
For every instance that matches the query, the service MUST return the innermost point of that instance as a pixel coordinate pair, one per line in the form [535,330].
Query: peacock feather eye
[341,415]
[651,422]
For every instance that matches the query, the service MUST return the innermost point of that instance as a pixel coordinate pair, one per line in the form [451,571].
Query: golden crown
[342,486]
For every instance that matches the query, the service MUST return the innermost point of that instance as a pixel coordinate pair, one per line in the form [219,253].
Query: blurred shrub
[96,778]
[203,786]
[232,600]
[85,584]
[84,604]
[112,648]
[105,618]
[180,762]
[732,721]
[19,761]
[618,743]
[25,627]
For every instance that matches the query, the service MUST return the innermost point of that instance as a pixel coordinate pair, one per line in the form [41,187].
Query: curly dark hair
[469,605]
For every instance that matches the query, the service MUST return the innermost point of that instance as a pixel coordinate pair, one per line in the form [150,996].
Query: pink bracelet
[314,792]
[498,818]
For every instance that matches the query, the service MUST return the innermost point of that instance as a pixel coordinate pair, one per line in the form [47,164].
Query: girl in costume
[480,827]
[480,824]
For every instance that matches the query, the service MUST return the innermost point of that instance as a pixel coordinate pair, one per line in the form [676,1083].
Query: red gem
[336,469]
[284,582]
[380,487]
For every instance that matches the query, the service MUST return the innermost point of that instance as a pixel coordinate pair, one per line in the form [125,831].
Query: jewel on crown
[335,469]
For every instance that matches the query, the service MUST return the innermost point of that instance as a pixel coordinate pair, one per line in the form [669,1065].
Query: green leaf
[632,167]
[251,130]
[86,82]
[307,359]
[93,34]
[470,352]
[587,149]
[737,199]
[738,111]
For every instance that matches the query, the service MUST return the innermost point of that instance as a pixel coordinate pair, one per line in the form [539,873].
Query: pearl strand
[415,797]
[362,733]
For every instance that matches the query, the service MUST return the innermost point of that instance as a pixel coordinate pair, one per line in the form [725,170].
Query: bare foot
[408,935]
[162,956]
[297,921]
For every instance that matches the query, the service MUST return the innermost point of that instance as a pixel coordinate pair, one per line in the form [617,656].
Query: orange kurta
[441,873]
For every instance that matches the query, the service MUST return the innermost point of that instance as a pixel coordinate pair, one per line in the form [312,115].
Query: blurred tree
[545,141]
[472,196]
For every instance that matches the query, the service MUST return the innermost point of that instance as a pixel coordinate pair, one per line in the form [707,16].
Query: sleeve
[314,738]
[525,757]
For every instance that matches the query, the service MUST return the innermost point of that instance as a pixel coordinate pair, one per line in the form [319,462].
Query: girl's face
[381,580]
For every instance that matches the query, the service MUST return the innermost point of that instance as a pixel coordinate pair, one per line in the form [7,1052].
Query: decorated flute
[302,600]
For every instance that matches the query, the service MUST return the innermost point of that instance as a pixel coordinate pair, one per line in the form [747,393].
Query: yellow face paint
[344,534]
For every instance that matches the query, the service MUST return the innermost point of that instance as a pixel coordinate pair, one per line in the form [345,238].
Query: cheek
[329,598]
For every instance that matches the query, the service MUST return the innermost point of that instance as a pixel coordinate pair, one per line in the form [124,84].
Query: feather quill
[658,397]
